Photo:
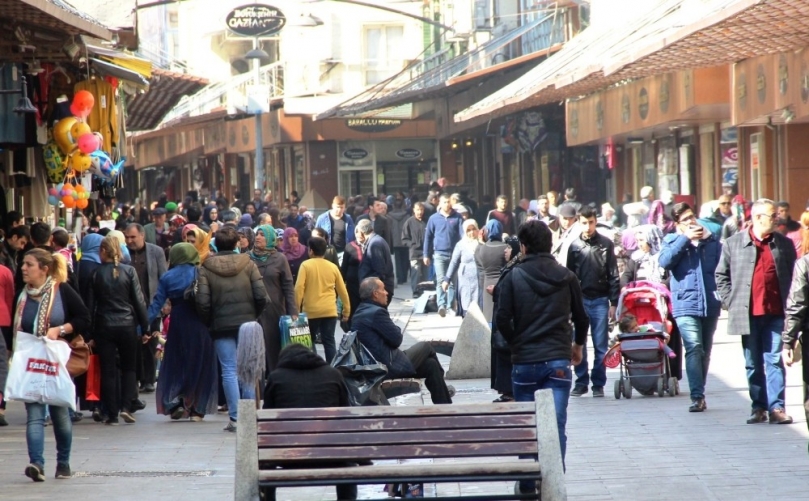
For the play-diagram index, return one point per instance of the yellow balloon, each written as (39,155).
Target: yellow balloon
(78,130)
(62,135)
(80,161)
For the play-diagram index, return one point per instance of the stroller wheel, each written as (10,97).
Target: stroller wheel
(627,389)
(661,383)
(618,389)
(673,386)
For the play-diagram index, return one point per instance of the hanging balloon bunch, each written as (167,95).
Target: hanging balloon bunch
(71,195)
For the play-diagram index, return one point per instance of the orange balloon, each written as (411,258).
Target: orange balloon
(68,201)
(80,161)
(79,129)
(81,203)
(84,100)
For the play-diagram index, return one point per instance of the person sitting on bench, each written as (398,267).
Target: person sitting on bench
(382,337)
(303,379)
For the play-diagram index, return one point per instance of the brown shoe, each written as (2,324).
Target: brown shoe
(779,416)
(758,416)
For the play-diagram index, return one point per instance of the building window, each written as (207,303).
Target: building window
(382,52)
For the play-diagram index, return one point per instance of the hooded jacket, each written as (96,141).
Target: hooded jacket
(693,284)
(303,379)
(535,305)
(230,293)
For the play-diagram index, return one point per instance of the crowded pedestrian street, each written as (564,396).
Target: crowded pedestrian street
(646,448)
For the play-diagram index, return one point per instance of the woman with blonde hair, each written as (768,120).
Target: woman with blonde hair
(48,307)
(117,309)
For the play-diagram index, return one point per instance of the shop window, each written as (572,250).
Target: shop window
(299,164)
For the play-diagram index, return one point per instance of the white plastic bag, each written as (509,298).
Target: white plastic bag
(39,372)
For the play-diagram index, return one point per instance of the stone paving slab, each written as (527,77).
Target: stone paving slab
(646,448)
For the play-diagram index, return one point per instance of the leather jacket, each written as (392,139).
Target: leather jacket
(117,302)
(593,261)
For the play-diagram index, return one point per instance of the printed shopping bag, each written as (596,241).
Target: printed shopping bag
(39,372)
(295,332)
(93,393)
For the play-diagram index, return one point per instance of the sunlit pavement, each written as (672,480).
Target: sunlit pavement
(646,448)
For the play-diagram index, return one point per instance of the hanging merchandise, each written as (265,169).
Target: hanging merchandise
(55,166)
(103,115)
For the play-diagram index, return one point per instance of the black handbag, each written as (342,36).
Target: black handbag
(190,292)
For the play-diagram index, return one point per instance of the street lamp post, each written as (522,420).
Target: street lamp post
(257,55)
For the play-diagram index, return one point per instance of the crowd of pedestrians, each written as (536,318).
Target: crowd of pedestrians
(182,279)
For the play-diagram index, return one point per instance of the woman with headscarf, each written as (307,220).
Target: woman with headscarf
(463,267)
(642,263)
(202,242)
(188,378)
(90,260)
(490,258)
(274,268)
(210,214)
(186,231)
(295,252)
(246,239)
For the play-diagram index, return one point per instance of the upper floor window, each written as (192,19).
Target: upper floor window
(383,52)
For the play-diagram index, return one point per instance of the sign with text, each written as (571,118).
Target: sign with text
(255,20)
(373,124)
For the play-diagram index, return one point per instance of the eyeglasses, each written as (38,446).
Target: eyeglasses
(772,217)
(724,203)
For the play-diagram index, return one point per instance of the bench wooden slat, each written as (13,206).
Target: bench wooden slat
(399,451)
(425,471)
(396,424)
(384,411)
(399,437)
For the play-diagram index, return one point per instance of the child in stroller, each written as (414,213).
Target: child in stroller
(641,351)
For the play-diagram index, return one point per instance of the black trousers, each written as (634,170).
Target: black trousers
(147,363)
(325,327)
(121,343)
(427,366)
(402,262)
(501,372)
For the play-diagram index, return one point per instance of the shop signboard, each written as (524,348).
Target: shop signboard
(355,153)
(373,124)
(408,153)
(255,20)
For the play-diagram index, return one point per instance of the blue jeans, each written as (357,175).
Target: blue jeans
(441,264)
(697,334)
(226,351)
(598,310)
(766,375)
(35,432)
(554,375)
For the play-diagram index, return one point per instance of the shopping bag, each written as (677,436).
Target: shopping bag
(93,393)
(39,372)
(295,332)
(361,372)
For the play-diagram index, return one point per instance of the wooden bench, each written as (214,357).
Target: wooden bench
(483,442)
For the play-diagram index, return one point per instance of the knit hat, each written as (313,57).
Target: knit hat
(246,221)
(171,207)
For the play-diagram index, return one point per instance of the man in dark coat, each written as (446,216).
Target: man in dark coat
(376,258)
(303,379)
(382,337)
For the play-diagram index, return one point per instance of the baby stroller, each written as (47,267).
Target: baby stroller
(643,363)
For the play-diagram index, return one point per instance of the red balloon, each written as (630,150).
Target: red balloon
(79,112)
(88,143)
(84,100)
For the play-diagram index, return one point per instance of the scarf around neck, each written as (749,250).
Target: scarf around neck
(45,295)
(262,255)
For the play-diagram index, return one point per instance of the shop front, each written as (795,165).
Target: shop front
(409,166)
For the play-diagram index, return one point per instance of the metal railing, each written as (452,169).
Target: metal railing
(161,58)
(216,94)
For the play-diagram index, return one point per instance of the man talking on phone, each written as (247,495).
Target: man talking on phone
(691,255)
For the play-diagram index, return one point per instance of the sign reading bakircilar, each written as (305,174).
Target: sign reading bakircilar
(255,20)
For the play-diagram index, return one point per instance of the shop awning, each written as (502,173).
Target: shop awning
(56,15)
(127,61)
(146,111)
(116,71)
(662,40)
(432,78)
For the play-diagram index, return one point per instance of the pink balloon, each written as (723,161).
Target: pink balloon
(88,143)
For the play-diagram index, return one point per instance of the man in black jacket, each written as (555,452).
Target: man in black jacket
(536,302)
(302,379)
(591,256)
(413,237)
(376,258)
(382,337)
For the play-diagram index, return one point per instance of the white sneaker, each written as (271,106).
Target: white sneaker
(442,312)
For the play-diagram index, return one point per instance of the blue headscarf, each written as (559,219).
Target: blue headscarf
(494,230)
(90,246)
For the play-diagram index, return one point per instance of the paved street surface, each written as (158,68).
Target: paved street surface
(646,448)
